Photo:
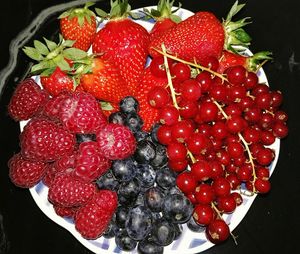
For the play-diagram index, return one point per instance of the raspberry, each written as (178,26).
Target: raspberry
(64,164)
(65,211)
(68,191)
(92,219)
(27,100)
(52,107)
(25,173)
(81,113)
(44,140)
(90,163)
(116,141)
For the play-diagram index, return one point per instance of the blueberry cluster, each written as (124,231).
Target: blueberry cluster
(151,207)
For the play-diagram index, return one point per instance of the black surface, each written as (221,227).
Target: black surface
(271,224)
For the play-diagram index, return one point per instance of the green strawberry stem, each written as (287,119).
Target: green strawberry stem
(119,9)
(256,61)
(162,11)
(235,35)
(195,65)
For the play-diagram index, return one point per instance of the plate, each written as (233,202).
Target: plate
(189,242)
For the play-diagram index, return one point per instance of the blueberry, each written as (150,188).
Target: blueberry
(117,117)
(154,199)
(121,216)
(160,158)
(154,133)
(146,175)
(178,230)
(134,122)
(129,105)
(177,208)
(165,178)
(124,170)
(141,135)
(124,242)
(128,192)
(139,222)
(163,232)
(80,138)
(173,190)
(194,226)
(148,247)
(108,182)
(140,200)
(145,151)
(111,229)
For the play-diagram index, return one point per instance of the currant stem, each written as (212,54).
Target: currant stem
(170,84)
(198,66)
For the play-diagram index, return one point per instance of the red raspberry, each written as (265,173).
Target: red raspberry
(65,211)
(116,141)
(92,219)
(81,113)
(64,164)
(25,173)
(27,100)
(44,140)
(68,191)
(52,107)
(90,163)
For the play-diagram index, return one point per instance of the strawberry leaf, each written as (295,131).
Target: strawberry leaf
(102,14)
(61,63)
(106,106)
(41,47)
(68,43)
(40,67)
(47,72)
(74,53)
(50,44)
(175,18)
(33,53)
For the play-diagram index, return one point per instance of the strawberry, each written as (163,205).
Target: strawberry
(27,100)
(202,35)
(116,141)
(92,219)
(147,112)
(68,191)
(25,173)
(124,42)
(251,63)
(103,80)
(79,24)
(81,113)
(46,141)
(55,64)
(164,17)
(90,163)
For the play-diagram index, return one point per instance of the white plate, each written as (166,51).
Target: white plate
(189,242)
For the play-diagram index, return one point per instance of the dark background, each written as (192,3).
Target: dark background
(271,224)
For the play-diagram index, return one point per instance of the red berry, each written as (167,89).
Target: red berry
(262,186)
(168,115)
(205,80)
(203,214)
(204,194)
(186,182)
(237,197)
(176,152)
(226,204)
(164,134)
(178,166)
(180,72)
(221,187)
(236,75)
(280,129)
(210,62)
(190,90)
(157,67)
(251,80)
(235,150)
(265,156)
(198,143)
(236,124)
(201,170)
(208,111)
(217,231)
(158,97)
(188,109)
(181,131)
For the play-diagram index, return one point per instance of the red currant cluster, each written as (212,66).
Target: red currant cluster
(217,129)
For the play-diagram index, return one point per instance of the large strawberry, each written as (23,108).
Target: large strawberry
(55,64)
(164,17)
(202,35)
(124,42)
(102,79)
(147,112)
(251,63)
(79,24)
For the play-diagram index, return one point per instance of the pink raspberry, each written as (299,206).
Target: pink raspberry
(24,173)
(116,141)
(27,100)
(92,219)
(90,163)
(68,191)
(44,140)
(81,113)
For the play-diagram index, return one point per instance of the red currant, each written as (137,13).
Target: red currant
(236,75)
(168,115)
(180,72)
(176,152)
(190,90)
(164,134)
(186,182)
(203,214)
(221,187)
(201,170)
(226,204)
(181,131)
(158,97)
(204,193)
(217,231)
